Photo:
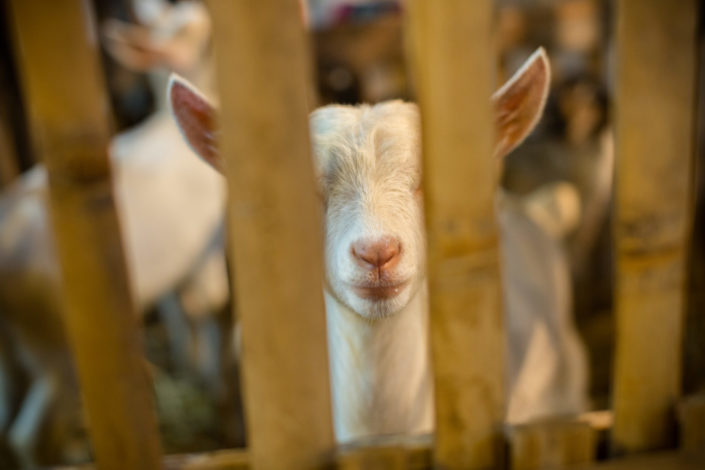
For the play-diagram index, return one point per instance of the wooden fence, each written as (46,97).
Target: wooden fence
(263,71)
(68,109)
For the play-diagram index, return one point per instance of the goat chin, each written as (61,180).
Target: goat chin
(376,302)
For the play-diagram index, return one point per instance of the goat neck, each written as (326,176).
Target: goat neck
(380,370)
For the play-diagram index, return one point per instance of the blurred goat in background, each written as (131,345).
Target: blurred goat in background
(171,211)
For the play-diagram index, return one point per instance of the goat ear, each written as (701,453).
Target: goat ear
(518,105)
(196,119)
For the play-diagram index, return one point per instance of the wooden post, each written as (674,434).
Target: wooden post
(452,57)
(654,149)
(57,51)
(263,76)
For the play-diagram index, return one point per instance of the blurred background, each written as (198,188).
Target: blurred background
(358,56)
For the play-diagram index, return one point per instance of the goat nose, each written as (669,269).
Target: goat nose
(380,253)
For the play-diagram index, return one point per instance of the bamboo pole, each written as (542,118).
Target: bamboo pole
(452,58)
(263,76)
(654,148)
(63,84)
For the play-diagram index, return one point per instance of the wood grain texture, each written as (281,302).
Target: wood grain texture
(654,150)
(276,237)
(64,90)
(452,59)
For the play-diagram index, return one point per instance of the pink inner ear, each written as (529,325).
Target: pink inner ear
(518,107)
(196,118)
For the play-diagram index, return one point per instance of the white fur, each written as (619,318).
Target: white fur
(379,370)
(170,206)
(369,174)
(368,165)
(546,364)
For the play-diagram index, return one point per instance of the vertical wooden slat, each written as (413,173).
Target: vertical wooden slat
(263,76)
(452,58)
(57,52)
(654,147)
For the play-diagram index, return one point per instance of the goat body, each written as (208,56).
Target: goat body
(368,164)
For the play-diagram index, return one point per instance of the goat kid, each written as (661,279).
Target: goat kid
(367,161)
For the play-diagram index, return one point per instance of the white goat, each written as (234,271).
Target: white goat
(367,159)
(170,207)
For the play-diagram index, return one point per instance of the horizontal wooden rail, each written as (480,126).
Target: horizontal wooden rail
(236,460)
(561,443)
(551,443)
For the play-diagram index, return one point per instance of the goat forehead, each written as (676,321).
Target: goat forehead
(367,144)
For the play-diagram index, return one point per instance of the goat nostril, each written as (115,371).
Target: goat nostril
(378,253)
(387,253)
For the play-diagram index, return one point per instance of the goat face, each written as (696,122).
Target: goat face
(367,160)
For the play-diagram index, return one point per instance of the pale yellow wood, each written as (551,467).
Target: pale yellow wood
(65,94)
(263,76)
(237,460)
(551,443)
(452,59)
(654,148)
